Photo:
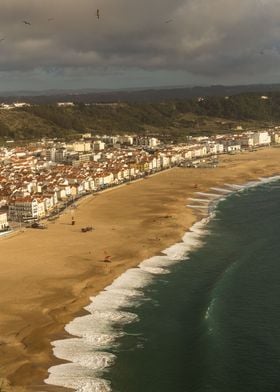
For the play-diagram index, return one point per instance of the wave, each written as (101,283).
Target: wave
(97,334)
(77,377)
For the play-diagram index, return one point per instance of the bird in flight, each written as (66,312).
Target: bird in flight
(97,13)
(168,21)
(2,39)
(26,22)
(50,19)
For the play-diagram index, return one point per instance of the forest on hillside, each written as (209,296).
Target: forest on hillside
(177,117)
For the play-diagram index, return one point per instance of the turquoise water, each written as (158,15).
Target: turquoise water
(213,323)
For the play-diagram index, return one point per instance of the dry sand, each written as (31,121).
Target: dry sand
(47,276)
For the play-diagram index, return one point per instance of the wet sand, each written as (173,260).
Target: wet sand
(47,276)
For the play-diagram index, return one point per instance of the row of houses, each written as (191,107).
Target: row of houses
(32,186)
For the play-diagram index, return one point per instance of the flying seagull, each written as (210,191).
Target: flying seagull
(2,39)
(168,21)
(97,13)
(26,22)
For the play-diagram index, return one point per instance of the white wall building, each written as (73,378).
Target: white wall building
(65,103)
(153,142)
(247,141)
(233,148)
(23,209)
(276,138)
(3,221)
(50,154)
(261,138)
(81,147)
(98,145)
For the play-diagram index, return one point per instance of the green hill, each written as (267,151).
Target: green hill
(175,119)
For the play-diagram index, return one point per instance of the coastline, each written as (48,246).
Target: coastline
(131,224)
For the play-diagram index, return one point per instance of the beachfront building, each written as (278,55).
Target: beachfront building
(247,141)
(3,221)
(24,209)
(214,148)
(261,138)
(164,161)
(233,148)
(276,138)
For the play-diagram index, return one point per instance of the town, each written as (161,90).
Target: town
(40,180)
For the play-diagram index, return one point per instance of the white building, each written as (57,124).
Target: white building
(81,147)
(261,138)
(232,148)
(60,155)
(276,138)
(65,104)
(247,141)
(3,221)
(126,139)
(23,209)
(98,145)
(153,142)
(20,104)
(50,154)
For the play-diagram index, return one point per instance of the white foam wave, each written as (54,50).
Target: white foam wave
(235,186)
(177,251)
(269,179)
(112,299)
(157,262)
(77,377)
(94,326)
(113,316)
(84,354)
(72,344)
(156,270)
(134,278)
(191,240)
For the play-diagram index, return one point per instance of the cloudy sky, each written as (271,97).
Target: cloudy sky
(138,43)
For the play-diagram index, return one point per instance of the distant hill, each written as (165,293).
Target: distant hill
(173,119)
(133,95)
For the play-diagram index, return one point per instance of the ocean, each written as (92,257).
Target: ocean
(202,317)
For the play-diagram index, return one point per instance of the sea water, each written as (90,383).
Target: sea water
(203,316)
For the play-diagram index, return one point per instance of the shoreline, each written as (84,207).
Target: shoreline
(125,211)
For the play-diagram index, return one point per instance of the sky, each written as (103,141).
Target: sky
(137,43)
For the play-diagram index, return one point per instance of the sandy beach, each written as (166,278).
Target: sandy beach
(47,276)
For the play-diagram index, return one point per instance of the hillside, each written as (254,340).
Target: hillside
(175,119)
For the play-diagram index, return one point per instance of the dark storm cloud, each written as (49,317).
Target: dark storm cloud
(203,37)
